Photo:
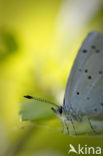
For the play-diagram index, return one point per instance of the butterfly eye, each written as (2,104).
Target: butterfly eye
(60,110)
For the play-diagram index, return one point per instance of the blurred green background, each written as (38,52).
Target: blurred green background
(39,40)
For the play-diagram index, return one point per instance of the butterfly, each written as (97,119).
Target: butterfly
(83,96)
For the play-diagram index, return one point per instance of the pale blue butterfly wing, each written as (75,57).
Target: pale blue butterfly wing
(84,90)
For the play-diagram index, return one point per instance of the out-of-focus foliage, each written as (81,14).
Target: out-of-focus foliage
(38,43)
(8,44)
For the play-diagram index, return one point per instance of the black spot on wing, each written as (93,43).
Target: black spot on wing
(100,72)
(97,51)
(84,51)
(88,98)
(86,70)
(101,104)
(89,77)
(93,47)
(95,109)
(78,93)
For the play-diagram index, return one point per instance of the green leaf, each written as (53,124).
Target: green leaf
(35,110)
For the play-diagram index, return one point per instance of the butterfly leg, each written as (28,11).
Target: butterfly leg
(62,125)
(73,126)
(92,127)
(67,127)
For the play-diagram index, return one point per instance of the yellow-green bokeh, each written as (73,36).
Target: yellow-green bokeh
(39,40)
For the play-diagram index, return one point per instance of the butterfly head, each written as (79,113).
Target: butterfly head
(59,111)
(62,113)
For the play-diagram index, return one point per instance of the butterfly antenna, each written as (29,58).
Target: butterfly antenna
(41,100)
